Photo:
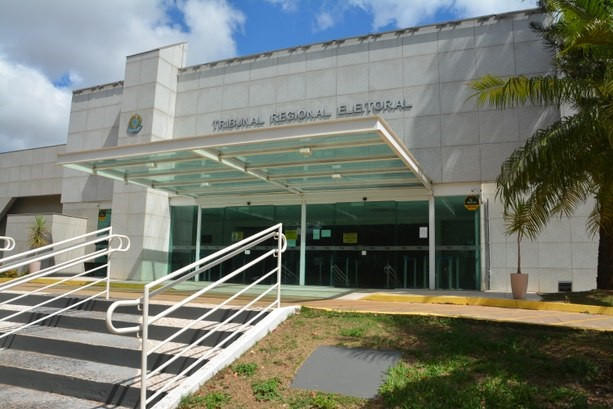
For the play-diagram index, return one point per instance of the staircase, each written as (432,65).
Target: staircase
(71,360)
(67,351)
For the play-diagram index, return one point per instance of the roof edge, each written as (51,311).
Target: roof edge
(365,36)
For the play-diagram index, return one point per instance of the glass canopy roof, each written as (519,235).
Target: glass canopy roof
(357,154)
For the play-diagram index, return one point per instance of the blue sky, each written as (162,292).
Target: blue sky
(265,21)
(49,48)
(276,24)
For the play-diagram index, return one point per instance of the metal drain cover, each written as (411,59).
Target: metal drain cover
(347,371)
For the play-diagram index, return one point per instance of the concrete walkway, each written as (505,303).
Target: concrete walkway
(490,306)
(554,314)
(486,306)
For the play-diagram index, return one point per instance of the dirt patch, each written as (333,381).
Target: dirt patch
(449,361)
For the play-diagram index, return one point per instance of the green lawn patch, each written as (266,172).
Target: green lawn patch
(266,390)
(214,400)
(603,298)
(447,363)
(245,368)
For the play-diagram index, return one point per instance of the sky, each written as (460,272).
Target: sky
(50,48)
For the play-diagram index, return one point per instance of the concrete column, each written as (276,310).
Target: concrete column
(149,91)
(198,236)
(303,233)
(431,244)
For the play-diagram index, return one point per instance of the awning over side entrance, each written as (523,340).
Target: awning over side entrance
(355,154)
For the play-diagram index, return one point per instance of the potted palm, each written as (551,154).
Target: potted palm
(519,220)
(38,236)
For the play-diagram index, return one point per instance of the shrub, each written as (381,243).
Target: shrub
(14,273)
(213,400)
(245,369)
(266,390)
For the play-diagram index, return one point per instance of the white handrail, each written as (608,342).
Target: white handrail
(52,245)
(9,245)
(111,310)
(238,245)
(113,243)
(185,273)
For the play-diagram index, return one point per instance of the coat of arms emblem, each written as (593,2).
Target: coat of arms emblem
(135,124)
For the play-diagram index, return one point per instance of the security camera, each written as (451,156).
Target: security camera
(248,203)
(364,198)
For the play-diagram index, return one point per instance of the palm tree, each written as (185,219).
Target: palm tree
(520,221)
(38,233)
(571,161)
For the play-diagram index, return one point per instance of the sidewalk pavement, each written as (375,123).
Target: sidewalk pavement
(483,308)
(499,307)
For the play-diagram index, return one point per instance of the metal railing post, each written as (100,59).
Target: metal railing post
(165,283)
(108,268)
(279,263)
(83,243)
(9,243)
(144,340)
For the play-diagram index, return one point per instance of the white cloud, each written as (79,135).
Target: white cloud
(84,43)
(32,111)
(213,24)
(406,13)
(323,21)
(476,8)
(286,5)
(91,39)
(398,12)
(87,42)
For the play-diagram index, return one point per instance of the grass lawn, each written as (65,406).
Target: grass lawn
(602,298)
(447,363)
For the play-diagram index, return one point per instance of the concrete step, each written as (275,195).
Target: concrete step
(101,305)
(82,379)
(109,348)
(94,322)
(72,361)
(120,317)
(14,397)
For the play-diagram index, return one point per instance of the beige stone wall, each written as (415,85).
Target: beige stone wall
(61,228)
(564,251)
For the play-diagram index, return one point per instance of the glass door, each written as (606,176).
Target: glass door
(104,221)
(367,244)
(457,245)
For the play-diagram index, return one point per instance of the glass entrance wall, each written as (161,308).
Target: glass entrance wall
(367,244)
(104,221)
(359,244)
(183,230)
(364,244)
(457,245)
(222,227)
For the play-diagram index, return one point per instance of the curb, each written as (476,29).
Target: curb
(491,302)
(225,358)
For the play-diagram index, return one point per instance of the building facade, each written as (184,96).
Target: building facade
(368,149)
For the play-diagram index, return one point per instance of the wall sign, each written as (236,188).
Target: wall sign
(350,238)
(423,232)
(301,115)
(135,124)
(471,202)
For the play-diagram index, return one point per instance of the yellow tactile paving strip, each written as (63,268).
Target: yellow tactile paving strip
(491,302)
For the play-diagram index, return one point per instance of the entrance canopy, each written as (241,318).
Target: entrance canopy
(338,155)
